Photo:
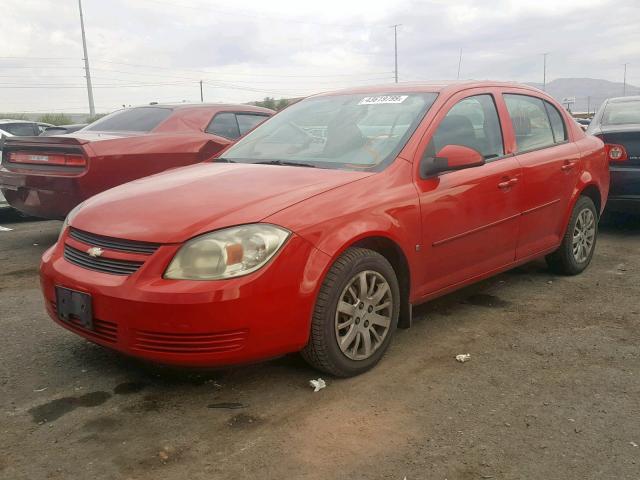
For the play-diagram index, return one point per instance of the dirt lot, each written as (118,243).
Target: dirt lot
(552,390)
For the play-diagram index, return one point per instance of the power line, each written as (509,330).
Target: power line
(262,16)
(195,71)
(57,85)
(199,71)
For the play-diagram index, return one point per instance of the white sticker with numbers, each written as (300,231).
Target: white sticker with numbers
(380,99)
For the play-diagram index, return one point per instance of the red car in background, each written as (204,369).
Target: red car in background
(320,229)
(48,176)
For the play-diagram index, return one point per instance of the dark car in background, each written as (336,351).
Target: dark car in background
(583,122)
(62,129)
(47,177)
(617,123)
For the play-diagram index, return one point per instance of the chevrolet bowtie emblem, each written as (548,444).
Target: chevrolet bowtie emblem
(95,252)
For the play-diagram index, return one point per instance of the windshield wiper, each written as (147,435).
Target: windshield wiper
(223,160)
(286,163)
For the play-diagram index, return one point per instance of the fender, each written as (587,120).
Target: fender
(585,182)
(347,216)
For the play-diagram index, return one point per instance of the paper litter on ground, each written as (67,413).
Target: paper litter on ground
(318,384)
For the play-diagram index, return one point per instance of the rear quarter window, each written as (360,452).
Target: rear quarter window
(139,119)
(247,121)
(225,125)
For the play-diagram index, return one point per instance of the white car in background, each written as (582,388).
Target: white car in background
(23,127)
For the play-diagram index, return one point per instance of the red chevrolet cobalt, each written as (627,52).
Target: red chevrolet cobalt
(320,229)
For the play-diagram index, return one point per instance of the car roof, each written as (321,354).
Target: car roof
(631,98)
(8,120)
(209,106)
(435,87)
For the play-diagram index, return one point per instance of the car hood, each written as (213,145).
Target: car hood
(178,204)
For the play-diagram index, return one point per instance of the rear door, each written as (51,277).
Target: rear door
(550,169)
(469,217)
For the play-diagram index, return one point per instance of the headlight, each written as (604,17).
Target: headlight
(227,253)
(65,224)
(68,218)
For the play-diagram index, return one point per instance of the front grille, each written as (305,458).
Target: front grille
(102,330)
(189,342)
(130,246)
(100,264)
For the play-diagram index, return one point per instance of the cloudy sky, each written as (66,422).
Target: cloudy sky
(159,50)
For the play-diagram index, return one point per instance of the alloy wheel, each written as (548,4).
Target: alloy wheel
(363,315)
(584,234)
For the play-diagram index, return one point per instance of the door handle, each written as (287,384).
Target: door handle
(508,183)
(568,166)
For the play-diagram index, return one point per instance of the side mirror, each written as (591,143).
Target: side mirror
(450,157)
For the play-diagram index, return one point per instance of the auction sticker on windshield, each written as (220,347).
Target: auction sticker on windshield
(383,99)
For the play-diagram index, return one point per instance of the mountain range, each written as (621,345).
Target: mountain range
(589,93)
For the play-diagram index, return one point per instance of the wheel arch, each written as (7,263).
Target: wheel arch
(593,192)
(589,188)
(395,255)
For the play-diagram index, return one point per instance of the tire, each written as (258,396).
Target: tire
(565,260)
(332,327)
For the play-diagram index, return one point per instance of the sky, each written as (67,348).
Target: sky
(159,50)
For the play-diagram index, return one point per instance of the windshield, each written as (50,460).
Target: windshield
(622,113)
(361,131)
(138,119)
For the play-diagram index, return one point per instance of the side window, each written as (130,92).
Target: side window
(248,121)
(530,122)
(557,124)
(225,125)
(474,123)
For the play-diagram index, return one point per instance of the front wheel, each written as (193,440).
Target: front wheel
(356,314)
(579,242)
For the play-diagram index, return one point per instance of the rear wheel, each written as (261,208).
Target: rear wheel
(356,314)
(579,242)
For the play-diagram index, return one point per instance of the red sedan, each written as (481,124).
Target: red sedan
(47,176)
(319,230)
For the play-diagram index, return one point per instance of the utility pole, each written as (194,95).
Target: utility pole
(588,104)
(201,94)
(395,36)
(624,82)
(544,71)
(92,110)
(459,63)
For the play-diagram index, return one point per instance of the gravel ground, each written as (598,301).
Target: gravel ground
(551,390)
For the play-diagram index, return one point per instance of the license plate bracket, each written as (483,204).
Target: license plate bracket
(72,304)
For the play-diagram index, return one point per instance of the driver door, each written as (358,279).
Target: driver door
(470,217)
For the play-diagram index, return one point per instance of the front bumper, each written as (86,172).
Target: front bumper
(624,194)
(194,323)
